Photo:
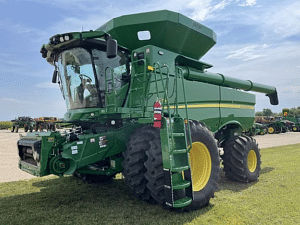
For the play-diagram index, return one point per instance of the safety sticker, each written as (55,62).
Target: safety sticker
(92,140)
(51,139)
(102,141)
(74,150)
(79,142)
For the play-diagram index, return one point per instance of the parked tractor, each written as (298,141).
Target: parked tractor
(294,119)
(257,129)
(274,126)
(144,105)
(22,122)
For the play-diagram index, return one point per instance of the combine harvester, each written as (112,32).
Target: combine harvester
(144,105)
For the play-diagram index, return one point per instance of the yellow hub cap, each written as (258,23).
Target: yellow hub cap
(200,162)
(271,129)
(294,128)
(252,161)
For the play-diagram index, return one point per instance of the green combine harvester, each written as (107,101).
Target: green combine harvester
(142,104)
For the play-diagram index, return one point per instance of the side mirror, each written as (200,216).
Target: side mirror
(54,78)
(111,48)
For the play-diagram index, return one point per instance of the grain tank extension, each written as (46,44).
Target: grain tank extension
(143,104)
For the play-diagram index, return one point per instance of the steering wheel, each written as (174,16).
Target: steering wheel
(83,75)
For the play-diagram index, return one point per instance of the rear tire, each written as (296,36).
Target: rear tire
(278,130)
(295,129)
(241,159)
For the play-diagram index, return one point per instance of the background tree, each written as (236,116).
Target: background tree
(267,112)
(259,113)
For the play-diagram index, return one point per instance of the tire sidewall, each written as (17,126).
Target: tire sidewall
(203,135)
(251,145)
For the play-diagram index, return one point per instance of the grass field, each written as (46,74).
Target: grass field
(274,199)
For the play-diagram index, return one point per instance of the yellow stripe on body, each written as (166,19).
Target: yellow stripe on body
(214,105)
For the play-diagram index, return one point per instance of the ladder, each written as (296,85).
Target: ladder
(175,151)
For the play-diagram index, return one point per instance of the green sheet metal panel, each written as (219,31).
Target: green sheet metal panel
(168,30)
(238,106)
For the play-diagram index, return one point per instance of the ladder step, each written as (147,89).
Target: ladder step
(181,185)
(178,134)
(153,81)
(136,89)
(179,169)
(182,202)
(179,151)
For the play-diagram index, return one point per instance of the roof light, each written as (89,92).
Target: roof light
(61,39)
(67,38)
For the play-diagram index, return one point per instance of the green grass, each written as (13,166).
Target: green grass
(274,199)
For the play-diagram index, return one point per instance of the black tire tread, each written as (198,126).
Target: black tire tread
(134,159)
(236,150)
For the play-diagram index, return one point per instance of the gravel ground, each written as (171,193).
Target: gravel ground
(9,170)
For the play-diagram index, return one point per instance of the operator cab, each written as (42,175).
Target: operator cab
(85,73)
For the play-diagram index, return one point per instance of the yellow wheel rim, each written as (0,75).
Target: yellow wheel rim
(271,130)
(294,128)
(252,161)
(200,162)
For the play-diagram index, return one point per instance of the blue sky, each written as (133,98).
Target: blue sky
(258,40)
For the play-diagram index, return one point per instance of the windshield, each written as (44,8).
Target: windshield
(83,75)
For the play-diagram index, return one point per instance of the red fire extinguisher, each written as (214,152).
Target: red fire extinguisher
(157,108)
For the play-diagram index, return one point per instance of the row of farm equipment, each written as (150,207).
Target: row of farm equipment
(275,125)
(35,124)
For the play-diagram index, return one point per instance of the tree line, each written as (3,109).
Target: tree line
(268,112)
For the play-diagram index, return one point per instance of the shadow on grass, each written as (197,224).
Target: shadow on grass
(234,186)
(266,170)
(71,201)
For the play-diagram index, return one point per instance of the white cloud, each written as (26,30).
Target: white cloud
(247,53)
(248,3)
(282,22)
(47,85)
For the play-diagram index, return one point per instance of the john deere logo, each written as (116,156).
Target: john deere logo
(285,114)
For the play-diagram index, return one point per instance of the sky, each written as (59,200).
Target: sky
(257,40)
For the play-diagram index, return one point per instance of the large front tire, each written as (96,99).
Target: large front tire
(134,159)
(241,159)
(205,166)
